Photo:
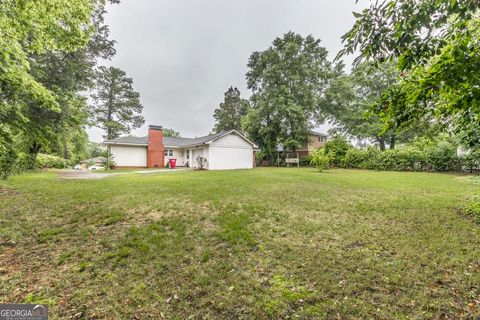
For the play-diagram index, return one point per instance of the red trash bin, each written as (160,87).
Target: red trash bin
(173,163)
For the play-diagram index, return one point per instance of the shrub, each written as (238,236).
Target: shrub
(306,161)
(50,161)
(8,158)
(442,156)
(404,159)
(410,159)
(355,158)
(473,209)
(25,162)
(471,161)
(320,159)
(336,149)
(201,162)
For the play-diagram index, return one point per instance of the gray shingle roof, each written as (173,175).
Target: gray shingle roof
(181,142)
(167,141)
(128,140)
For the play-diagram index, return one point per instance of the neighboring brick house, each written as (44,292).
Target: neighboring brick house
(316,140)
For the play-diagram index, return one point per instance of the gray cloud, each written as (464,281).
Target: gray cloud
(184,54)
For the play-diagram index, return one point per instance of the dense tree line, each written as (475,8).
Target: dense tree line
(437,49)
(49,52)
(416,76)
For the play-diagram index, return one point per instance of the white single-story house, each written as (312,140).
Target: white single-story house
(220,151)
(98,161)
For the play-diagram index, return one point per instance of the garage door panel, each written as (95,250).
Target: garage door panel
(223,158)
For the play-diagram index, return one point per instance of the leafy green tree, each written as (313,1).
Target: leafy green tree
(34,28)
(288,81)
(117,107)
(412,31)
(336,148)
(230,113)
(95,149)
(170,133)
(359,91)
(446,88)
(69,75)
(30,29)
(437,48)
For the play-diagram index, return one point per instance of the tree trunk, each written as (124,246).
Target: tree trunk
(392,142)
(381,143)
(65,149)
(110,110)
(33,151)
(109,156)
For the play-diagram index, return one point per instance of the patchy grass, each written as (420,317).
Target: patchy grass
(266,243)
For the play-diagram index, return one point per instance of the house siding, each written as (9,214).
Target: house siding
(178,154)
(222,151)
(230,152)
(314,142)
(200,151)
(129,156)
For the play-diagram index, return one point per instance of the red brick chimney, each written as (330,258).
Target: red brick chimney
(155,157)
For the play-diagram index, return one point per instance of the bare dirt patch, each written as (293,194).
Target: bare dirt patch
(7,192)
(85,175)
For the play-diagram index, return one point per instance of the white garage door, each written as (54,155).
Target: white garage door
(230,152)
(129,156)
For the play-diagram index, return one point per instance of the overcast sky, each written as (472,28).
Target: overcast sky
(184,54)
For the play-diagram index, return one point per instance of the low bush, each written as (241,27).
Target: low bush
(473,209)
(50,161)
(355,158)
(471,161)
(320,159)
(442,156)
(8,158)
(336,149)
(403,159)
(305,161)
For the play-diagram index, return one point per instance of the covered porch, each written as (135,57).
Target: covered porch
(186,156)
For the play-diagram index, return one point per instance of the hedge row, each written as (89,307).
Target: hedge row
(50,161)
(439,158)
(11,163)
(434,156)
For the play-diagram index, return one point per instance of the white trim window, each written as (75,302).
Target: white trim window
(168,153)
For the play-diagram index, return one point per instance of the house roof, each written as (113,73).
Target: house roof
(174,141)
(128,140)
(183,142)
(314,133)
(94,160)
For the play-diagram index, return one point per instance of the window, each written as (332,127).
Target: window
(188,154)
(321,139)
(168,153)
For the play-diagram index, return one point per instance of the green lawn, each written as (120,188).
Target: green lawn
(264,243)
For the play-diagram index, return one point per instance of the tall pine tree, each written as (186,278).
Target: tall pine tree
(117,108)
(231,111)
